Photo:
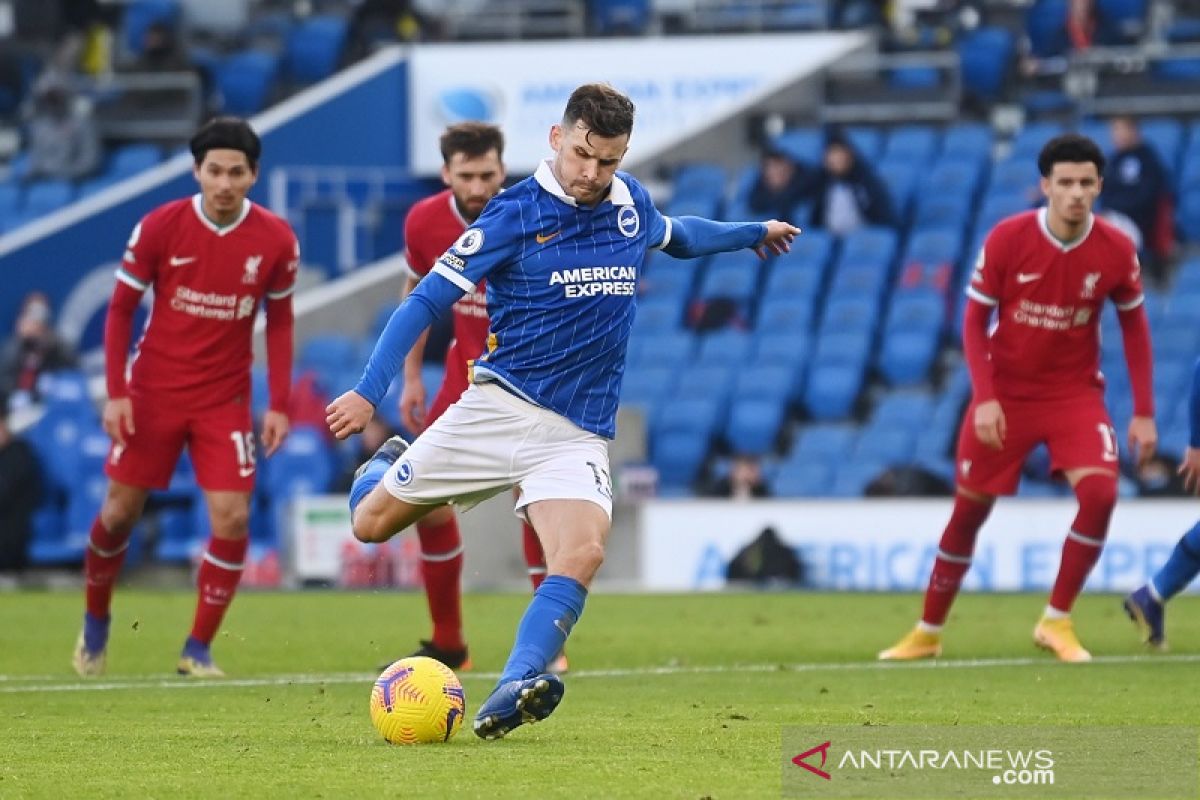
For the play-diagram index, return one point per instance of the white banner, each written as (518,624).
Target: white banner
(679,86)
(884,545)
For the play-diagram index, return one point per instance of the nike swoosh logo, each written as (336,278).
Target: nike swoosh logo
(176,261)
(245,472)
(1024,277)
(543,239)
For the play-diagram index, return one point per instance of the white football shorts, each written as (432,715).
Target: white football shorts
(491,440)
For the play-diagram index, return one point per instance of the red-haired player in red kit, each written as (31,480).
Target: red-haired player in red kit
(211,259)
(473,171)
(1036,379)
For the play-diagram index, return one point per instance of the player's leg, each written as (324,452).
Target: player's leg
(107,545)
(1083,447)
(222,447)
(983,473)
(217,579)
(573,533)
(535,564)
(144,463)
(1146,606)
(441,571)
(376,513)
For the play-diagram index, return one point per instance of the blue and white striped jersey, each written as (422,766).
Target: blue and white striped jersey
(561,290)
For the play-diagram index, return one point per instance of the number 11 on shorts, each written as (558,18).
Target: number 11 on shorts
(243,443)
(1108,438)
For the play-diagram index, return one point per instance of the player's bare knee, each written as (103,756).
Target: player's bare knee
(368,527)
(120,513)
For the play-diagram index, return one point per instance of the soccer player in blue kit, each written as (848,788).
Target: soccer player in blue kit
(561,252)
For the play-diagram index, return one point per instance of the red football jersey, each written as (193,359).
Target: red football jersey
(208,283)
(432,225)
(1045,343)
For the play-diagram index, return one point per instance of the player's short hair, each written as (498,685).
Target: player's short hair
(601,108)
(472,139)
(1070,148)
(226,133)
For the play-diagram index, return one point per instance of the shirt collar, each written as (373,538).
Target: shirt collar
(198,207)
(1044,224)
(618,193)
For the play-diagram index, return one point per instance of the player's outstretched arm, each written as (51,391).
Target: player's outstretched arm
(696,236)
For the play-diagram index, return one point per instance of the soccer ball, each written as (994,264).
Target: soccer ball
(416,700)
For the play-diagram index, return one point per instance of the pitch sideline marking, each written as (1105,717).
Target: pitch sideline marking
(42,683)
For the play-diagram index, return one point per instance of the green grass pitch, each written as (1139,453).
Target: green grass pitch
(671,696)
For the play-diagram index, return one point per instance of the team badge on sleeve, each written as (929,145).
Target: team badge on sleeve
(469,243)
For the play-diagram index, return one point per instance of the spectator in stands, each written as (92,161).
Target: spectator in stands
(848,193)
(744,481)
(20,490)
(782,184)
(33,349)
(1136,185)
(60,132)
(377,21)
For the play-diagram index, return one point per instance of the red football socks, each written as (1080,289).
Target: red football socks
(101,564)
(220,571)
(535,560)
(441,569)
(953,558)
(1097,497)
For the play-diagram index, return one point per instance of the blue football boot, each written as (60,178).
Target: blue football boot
(1149,615)
(514,703)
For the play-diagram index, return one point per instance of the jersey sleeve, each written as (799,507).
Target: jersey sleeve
(287,266)
(1128,293)
(143,252)
(988,275)
(416,256)
(488,245)
(658,227)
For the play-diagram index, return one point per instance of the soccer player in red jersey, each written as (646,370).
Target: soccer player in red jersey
(473,171)
(1035,378)
(211,259)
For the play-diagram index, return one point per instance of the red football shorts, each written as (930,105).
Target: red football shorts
(453,384)
(1077,432)
(220,440)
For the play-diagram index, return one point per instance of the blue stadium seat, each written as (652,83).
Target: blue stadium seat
(910,409)
(1000,204)
(140,15)
(812,250)
(916,309)
(131,159)
(793,279)
(700,178)
(916,144)
(665,347)
(900,177)
(303,466)
(931,249)
(1187,216)
(1030,140)
(850,314)
(706,383)
(861,279)
(802,480)
(1016,174)
(725,348)
(868,142)
(754,424)
(1045,25)
(246,80)
(314,47)
(44,196)
(968,139)
(670,279)
(832,389)
(678,456)
(801,144)
(787,349)
(646,386)
(852,477)
(908,356)
(781,313)
(823,443)
(871,245)
(943,210)
(889,444)
(619,17)
(736,280)
(695,415)
(1120,22)
(953,175)
(328,353)
(1166,135)
(763,380)
(659,314)
(986,57)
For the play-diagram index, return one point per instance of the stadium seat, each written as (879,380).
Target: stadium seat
(868,142)
(1016,174)
(724,348)
(659,314)
(764,381)
(968,139)
(303,466)
(870,245)
(646,386)
(908,356)
(781,313)
(132,159)
(1030,140)
(866,279)
(711,383)
(328,353)
(667,347)
(852,477)
(900,177)
(813,250)
(850,314)
(956,176)
(678,457)
(700,178)
(888,444)
(946,210)
(140,15)
(754,424)
(805,145)
(986,57)
(915,144)
(246,80)
(314,48)
(44,196)
(698,417)
(802,480)
(791,279)
(619,17)
(1044,25)
(824,443)
(905,408)
(831,390)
